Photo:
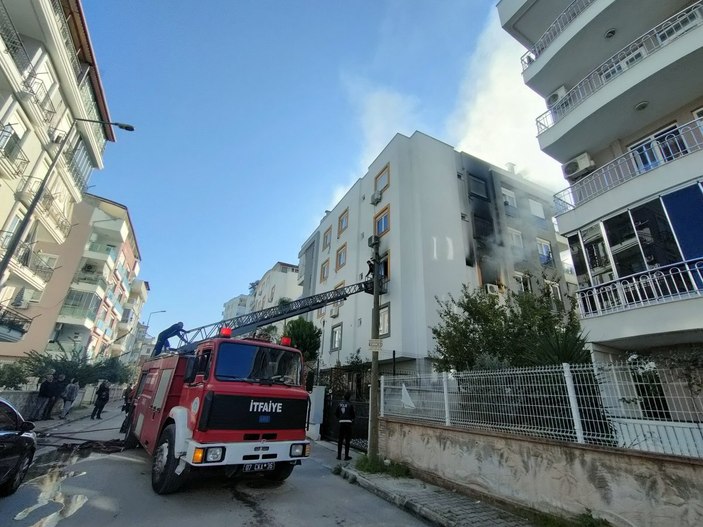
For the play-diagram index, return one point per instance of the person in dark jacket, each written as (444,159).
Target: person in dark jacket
(162,340)
(102,396)
(42,399)
(345,415)
(56,388)
(69,397)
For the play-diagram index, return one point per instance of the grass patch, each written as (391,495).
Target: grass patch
(547,520)
(378,466)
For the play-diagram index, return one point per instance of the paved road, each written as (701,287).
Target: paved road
(115,490)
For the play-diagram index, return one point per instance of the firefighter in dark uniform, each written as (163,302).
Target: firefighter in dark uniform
(345,415)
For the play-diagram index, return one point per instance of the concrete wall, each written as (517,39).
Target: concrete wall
(626,488)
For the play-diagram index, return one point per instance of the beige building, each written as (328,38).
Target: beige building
(48,78)
(93,299)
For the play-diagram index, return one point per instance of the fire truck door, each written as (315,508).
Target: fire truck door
(152,413)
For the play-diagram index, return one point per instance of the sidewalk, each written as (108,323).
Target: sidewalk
(436,504)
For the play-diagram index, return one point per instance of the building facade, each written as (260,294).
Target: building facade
(239,305)
(625,118)
(48,78)
(93,301)
(279,282)
(444,218)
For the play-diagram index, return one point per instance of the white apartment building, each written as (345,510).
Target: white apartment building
(279,282)
(48,77)
(445,218)
(622,83)
(93,301)
(239,305)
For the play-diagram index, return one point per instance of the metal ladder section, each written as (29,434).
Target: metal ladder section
(251,321)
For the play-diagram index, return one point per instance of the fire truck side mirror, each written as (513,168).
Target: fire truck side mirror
(191,368)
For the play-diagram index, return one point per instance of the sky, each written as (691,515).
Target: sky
(254,116)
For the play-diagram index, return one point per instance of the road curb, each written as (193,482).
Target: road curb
(396,499)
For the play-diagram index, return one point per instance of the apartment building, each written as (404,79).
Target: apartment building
(141,347)
(622,85)
(239,305)
(93,301)
(48,78)
(444,218)
(279,282)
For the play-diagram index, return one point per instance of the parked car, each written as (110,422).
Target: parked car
(18,443)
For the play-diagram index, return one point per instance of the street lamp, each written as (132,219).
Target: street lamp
(24,223)
(149,318)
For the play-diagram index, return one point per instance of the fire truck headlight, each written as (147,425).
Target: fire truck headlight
(297,450)
(214,454)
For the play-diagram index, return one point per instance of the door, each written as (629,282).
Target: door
(11,443)
(151,410)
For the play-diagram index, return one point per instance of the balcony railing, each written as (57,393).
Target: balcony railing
(680,142)
(66,35)
(33,85)
(13,320)
(91,107)
(90,278)
(27,257)
(48,204)
(655,286)
(78,312)
(10,150)
(102,248)
(632,54)
(573,10)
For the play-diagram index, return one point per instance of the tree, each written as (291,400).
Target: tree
(305,337)
(12,376)
(252,287)
(73,364)
(524,329)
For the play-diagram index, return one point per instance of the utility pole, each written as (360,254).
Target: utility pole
(375,345)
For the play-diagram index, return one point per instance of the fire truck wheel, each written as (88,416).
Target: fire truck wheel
(281,472)
(164,479)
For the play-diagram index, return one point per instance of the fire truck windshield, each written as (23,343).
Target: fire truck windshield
(251,363)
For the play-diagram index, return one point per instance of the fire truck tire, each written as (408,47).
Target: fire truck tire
(130,440)
(281,472)
(164,479)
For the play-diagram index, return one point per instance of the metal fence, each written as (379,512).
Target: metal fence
(629,405)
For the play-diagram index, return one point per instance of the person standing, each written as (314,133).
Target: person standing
(345,415)
(56,388)
(69,396)
(102,396)
(42,399)
(127,396)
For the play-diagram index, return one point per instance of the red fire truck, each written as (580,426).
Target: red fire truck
(219,401)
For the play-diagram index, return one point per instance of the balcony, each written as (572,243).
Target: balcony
(554,30)
(103,252)
(51,214)
(665,284)
(28,264)
(91,278)
(638,51)
(676,144)
(12,157)
(13,325)
(78,315)
(32,85)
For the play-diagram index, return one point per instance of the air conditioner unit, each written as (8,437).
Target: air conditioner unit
(578,166)
(492,289)
(334,311)
(376,198)
(88,268)
(556,96)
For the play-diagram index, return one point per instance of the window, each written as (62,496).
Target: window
(324,270)
(382,179)
(273,292)
(536,208)
(8,419)
(698,114)
(524,283)
(382,222)
(665,145)
(384,268)
(680,25)
(515,238)
(343,222)
(336,338)
(321,312)
(384,326)
(544,248)
(327,239)
(341,259)
(478,187)
(509,199)
(632,57)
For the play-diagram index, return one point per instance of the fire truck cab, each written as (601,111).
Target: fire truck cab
(233,403)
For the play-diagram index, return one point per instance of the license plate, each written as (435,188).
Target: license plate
(259,467)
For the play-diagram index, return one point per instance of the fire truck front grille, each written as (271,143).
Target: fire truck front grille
(250,457)
(239,412)
(269,456)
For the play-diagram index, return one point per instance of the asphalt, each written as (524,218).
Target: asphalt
(436,505)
